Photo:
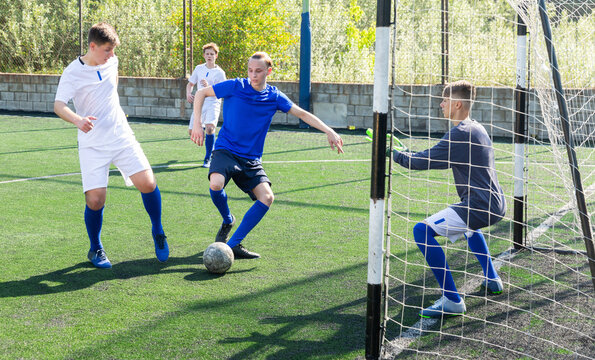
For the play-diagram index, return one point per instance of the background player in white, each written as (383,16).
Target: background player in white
(207,74)
(467,150)
(249,106)
(105,138)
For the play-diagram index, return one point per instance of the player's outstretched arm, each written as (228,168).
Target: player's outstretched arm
(85,124)
(198,135)
(333,138)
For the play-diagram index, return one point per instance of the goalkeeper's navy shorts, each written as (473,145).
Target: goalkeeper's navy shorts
(246,173)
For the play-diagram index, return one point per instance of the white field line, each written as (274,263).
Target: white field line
(396,346)
(190,165)
(187,165)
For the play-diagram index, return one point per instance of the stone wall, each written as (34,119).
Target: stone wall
(416,107)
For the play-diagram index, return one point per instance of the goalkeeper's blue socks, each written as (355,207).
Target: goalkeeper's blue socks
(209,145)
(432,251)
(479,247)
(220,200)
(93,222)
(250,220)
(152,202)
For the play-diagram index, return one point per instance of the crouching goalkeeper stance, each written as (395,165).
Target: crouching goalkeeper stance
(467,150)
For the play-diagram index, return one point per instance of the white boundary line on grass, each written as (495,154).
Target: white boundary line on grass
(188,165)
(398,345)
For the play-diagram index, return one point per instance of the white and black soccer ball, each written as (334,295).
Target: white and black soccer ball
(218,257)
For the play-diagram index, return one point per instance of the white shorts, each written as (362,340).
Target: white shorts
(210,115)
(95,163)
(448,223)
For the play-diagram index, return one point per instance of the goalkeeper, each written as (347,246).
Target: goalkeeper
(467,150)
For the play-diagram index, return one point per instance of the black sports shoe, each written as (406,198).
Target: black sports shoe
(240,252)
(224,230)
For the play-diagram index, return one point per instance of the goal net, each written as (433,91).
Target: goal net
(547,308)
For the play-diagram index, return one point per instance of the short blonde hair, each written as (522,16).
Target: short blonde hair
(261,55)
(212,46)
(102,33)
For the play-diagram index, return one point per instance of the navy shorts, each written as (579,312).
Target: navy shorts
(246,173)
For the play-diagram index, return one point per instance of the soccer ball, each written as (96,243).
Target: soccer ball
(218,257)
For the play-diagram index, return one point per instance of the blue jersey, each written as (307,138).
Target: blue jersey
(247,116)
(467,150)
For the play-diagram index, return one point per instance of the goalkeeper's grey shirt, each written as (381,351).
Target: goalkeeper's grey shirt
(467,149)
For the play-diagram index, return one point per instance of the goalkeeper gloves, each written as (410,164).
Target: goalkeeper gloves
(397,144)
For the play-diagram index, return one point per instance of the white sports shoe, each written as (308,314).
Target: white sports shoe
(444,307)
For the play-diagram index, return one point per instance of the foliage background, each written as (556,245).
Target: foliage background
(37,36)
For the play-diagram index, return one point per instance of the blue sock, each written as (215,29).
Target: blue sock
(220,200)
(477,244)
(250,220)
(93,221)
(424,238)
(152,202)
(209,145)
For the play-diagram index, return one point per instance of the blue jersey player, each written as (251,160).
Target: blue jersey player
(248,108)
(467,150)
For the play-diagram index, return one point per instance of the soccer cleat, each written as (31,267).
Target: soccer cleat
(494,286)
(161,247)
(224,230)
(99,259)
(240,252)
(444,307)
(206,163)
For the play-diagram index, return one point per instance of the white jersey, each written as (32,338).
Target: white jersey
(212,76)
(93,90)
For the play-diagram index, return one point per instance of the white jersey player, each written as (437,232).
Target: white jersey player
(205,75)
(104,138)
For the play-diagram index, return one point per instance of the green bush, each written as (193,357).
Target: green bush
(239,28)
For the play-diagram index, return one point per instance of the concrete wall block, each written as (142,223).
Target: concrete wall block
(158,112)
(123,100)
(35,80)
(34,96)
(7,96)
(3,86)
(11,105)
(421,102)
(343,99)
(29,87)
(15,86)
(176,94)
(25,105)
(163,101)
(20,96)
(130,91)
(163,92)
(172,113)
(135,101)
(363,110)
(3,104)
(320,97)
(150,101)
(147,92)
(142,111)
(42,88)
(39,106)
(350,110)
(49,98)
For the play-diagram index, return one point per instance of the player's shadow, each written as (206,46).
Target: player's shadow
(343,338)
(84,275)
